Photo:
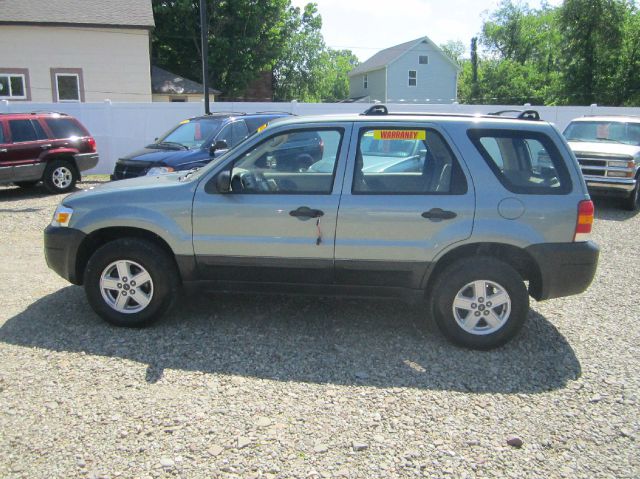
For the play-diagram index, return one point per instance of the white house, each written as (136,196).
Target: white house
(415,72)
(75,50)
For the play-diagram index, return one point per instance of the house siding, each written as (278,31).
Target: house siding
(376,85)
(114,62)
(436,80)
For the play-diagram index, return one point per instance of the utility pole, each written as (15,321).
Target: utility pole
(204,33)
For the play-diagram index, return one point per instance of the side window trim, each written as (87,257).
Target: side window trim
(459,171)
(564,176)
(346,128)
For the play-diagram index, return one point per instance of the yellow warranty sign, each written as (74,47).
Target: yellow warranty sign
(399,134)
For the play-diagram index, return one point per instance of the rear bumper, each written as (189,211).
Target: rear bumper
(60,250)
(86,161)
(565,268)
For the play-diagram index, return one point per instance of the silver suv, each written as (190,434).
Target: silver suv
(491,211)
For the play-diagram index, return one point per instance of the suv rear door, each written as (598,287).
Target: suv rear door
(277,224)
(405,198)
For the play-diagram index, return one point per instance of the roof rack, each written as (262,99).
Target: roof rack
(36,112)
(268,112)
(522,114)
(381,110)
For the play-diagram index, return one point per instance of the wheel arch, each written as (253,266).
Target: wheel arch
(100,237)
(518,258)
(63,155)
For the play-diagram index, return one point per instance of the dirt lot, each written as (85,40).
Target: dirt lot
(254,386)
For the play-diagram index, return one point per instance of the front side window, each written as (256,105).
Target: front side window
(604,132)
(406,162)
(1,133)
(240,131)
(413,78)
(68,87)
(524,162)
(12,86)
(22,130)
(294,162)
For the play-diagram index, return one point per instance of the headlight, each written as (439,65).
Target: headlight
(62,216)
(160,170)
(620,163)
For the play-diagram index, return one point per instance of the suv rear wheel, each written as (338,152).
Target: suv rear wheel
(130,282)
(60,176)
(479,302)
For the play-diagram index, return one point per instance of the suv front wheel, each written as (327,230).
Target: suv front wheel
(131,282)
(479,302)
(60,176)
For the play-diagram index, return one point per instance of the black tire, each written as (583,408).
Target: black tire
(632,203)
(165,281)
(51,177)
(26,184)
(455,277)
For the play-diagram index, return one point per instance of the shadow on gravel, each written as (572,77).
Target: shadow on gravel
(317,340)
(15,193)
(611,209)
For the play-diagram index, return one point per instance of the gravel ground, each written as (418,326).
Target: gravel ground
(241,386)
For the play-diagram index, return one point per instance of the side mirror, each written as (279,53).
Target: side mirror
(218,145)
(223,182)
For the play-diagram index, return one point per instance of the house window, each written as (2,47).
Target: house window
(13,86)
(67,85)
(413,78)
(366,81)
(423,59)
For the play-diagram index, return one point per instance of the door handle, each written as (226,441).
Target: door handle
(306,212)
(437,214)
(46,147)
(3,150)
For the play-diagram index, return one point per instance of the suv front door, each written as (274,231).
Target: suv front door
(277,224)
(405,199)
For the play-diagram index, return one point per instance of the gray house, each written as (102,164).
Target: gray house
(414,72)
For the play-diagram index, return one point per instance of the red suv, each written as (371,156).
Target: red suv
(49,147)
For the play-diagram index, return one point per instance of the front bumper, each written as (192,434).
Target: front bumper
(86,161)
(61,250)
(565,268)
(600,185)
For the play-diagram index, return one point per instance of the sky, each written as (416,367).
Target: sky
(367,26)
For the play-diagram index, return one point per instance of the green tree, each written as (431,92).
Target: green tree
(245,38)
(592,34)
(454,49)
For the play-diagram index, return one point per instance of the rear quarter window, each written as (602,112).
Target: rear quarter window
(65,127)
(525,162)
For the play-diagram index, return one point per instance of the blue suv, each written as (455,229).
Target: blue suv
(191,144)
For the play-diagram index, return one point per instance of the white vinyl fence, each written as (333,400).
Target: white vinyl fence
(120,128)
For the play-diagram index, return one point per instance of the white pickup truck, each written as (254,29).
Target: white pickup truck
(608,150)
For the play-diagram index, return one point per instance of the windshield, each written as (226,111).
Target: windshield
(191,133)
(604,131)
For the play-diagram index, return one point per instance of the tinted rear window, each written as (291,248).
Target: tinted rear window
(524,162)
(64,127)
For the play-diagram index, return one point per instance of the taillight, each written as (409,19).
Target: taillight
(585,221)
(92,144)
